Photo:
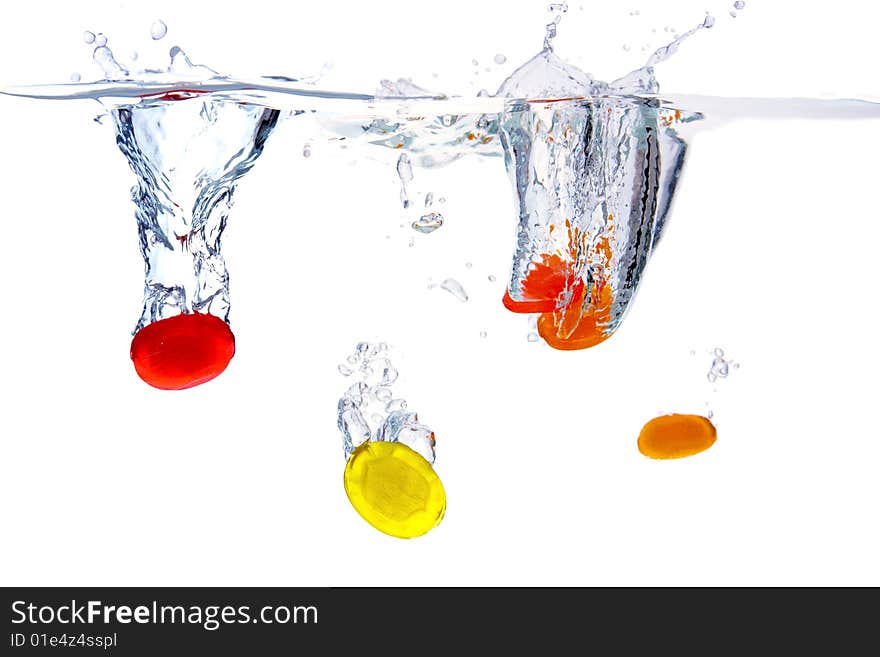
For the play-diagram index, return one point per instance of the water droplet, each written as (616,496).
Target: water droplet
(352,359)
(362,348)
(133,55)
(307,150)
(708,22)
(412,242)
(383,346)
(483,334)
(89,37)
(344,370)
(100,40)
(376,418)
(719,352)
(500,59)
(158,30)
(532,337)
(533,322)
(383,395)
(693,352)
(491,278)
(75,77)
(455,289)
(442,199)
(475,62)
(732,13)
(428,223)
(468,265)
(739,4)
(626,47)
(429,199)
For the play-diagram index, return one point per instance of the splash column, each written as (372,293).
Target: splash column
(593,180)
(187,150)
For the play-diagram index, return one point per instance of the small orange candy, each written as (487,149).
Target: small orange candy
(676,436)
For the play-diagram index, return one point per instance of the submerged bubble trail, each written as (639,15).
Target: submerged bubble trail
(405,173)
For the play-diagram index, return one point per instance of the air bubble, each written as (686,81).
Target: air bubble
(428,223)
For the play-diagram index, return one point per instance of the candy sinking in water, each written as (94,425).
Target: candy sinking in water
(389,476)
(394,489)
(182,351)
(594,180)
(676,436)
(198,148)
(594,166)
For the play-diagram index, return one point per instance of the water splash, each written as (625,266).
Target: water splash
(372,396)
(187,156)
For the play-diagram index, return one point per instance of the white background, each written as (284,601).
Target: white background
(769,253)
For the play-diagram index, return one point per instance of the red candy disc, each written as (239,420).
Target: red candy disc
(182,351)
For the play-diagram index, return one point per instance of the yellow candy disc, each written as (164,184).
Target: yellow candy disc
(394,489)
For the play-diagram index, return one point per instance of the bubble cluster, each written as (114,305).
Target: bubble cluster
(720,367)
(371,395)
